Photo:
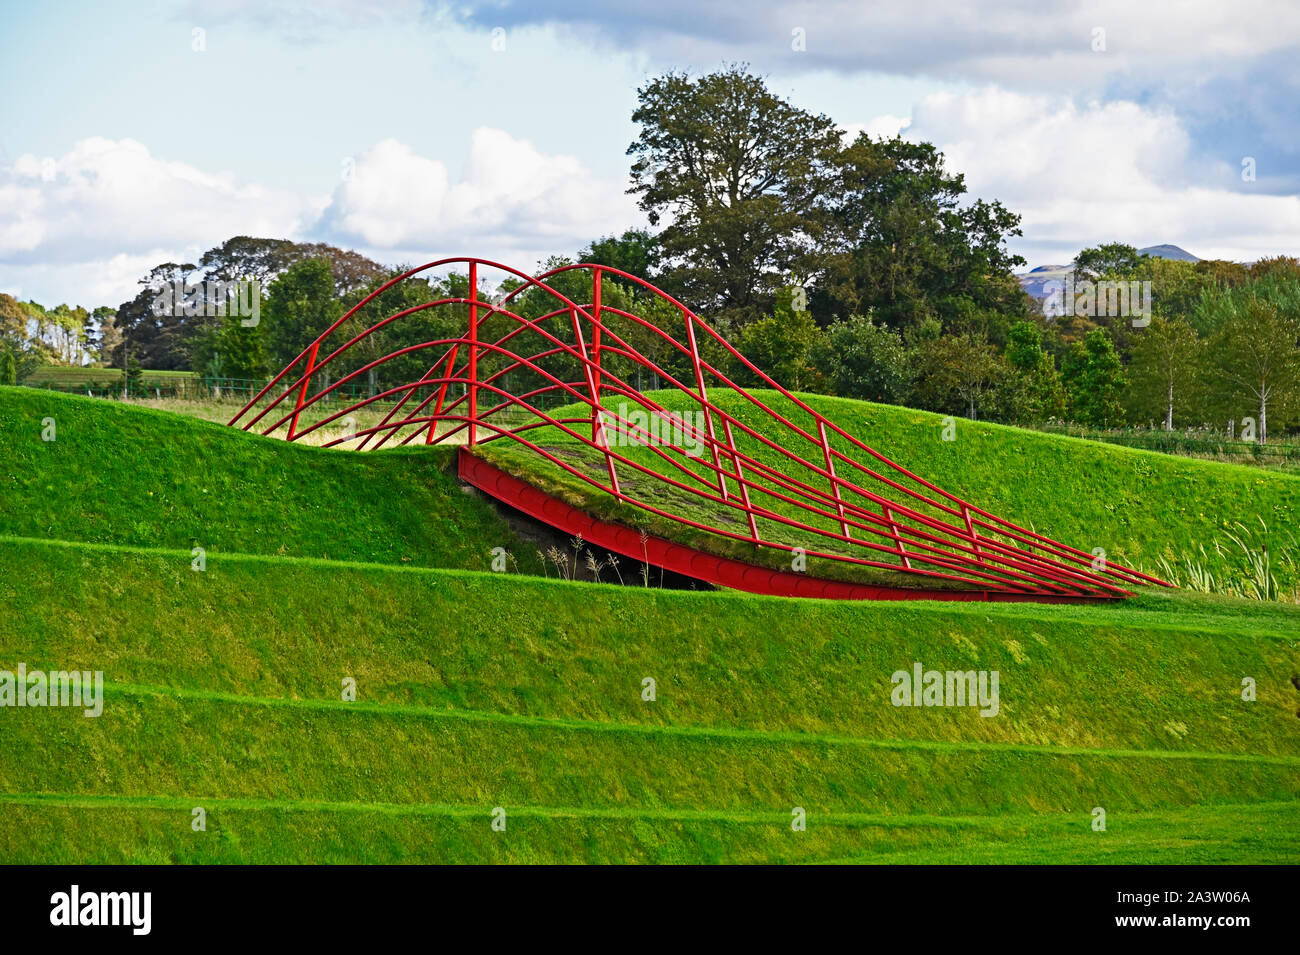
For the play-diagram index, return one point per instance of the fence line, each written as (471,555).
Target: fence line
(1179,442)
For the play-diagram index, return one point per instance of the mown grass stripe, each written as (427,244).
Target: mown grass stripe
(690,732)
(464,810)
(1126,614)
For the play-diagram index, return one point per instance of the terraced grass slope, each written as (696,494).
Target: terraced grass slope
(477,691)
(224,691)
(1155,512)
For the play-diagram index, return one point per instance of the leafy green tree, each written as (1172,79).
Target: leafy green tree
(1095,380)
(1164,369)
(1255,356)
(232,349)
(62,329)
(742,178)
(1221,274)
(13,320)
(8,368)
(1176,286)
(1284,268)
(133,376)
(159,338)
(1112,260)
(858,358)
(1033,390)
(905,245)
(1024,346)
(636,252)
(101,334)
(301,304)
(779,345)
(28,353)
(955,373)
(420,326)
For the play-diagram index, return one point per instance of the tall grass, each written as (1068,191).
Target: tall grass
(1247,558)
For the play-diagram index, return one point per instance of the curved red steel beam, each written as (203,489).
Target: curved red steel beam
(785,488)
(690,562)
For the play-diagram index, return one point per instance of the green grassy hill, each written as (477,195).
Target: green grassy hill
(120,474)
(478,690)
(1173,517)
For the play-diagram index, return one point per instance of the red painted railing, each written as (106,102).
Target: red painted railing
(810,490)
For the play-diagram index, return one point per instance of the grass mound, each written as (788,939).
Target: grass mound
(225,689)
(1209,525)
(121,474)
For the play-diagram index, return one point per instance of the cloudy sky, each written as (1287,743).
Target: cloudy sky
(142,132)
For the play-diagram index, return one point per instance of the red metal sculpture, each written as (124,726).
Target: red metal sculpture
(732,468)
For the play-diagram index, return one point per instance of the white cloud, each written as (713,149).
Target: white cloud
(511,198)
(107,197)
(1117,171)
(885,126)
(86,226)
(1009,41)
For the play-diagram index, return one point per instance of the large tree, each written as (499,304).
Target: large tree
(1164,369)
(248,257)
(906,245)
(300,305)
(151,330)
(1111,260)
(1256,357)
(740,179)
(1095,379)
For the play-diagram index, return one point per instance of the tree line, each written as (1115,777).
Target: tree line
(856,267)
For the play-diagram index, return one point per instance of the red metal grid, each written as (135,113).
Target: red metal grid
(843,501)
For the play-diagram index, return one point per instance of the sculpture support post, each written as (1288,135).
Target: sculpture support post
(704,401)
(302,392)
(597,418)
(835,482)
(473,351)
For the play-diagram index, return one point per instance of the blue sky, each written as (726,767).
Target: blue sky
(138,133)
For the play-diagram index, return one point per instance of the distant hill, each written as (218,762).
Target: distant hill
(1036,279)
(1169,252)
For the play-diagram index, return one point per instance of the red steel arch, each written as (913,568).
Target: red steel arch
(770,482)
